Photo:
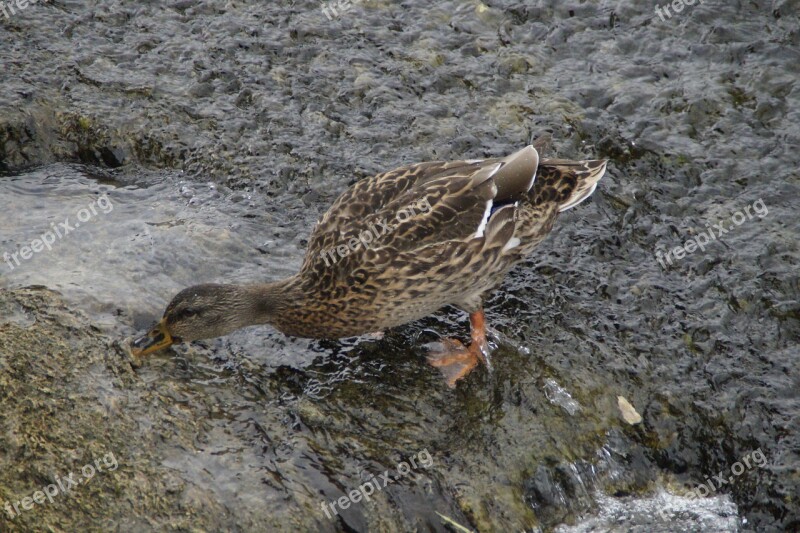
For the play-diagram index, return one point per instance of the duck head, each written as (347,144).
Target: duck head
(203,312)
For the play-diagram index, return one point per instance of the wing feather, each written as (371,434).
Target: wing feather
(414,207)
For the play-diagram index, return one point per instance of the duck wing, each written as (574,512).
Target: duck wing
(410,208)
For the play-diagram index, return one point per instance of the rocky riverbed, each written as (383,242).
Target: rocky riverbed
(201,140)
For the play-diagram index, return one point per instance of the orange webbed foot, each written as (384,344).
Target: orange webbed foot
(453,359)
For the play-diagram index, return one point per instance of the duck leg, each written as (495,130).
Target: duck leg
(453,359)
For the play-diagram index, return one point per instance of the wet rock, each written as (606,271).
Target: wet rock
(698,113)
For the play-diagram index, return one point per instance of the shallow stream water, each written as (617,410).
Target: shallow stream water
(147,240)
(218,132)
(141,242)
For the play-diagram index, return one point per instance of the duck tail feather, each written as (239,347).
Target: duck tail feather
(587,174)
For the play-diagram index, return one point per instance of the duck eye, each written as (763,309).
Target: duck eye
(186,313)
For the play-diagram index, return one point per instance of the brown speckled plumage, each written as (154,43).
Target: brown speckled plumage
(433,258)
(440,233)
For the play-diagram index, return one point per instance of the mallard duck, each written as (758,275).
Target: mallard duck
(396,247)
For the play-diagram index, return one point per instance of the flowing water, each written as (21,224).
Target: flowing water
(146,148)
(146,240)
(141,241)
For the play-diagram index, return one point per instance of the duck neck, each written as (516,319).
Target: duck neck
(267,302)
